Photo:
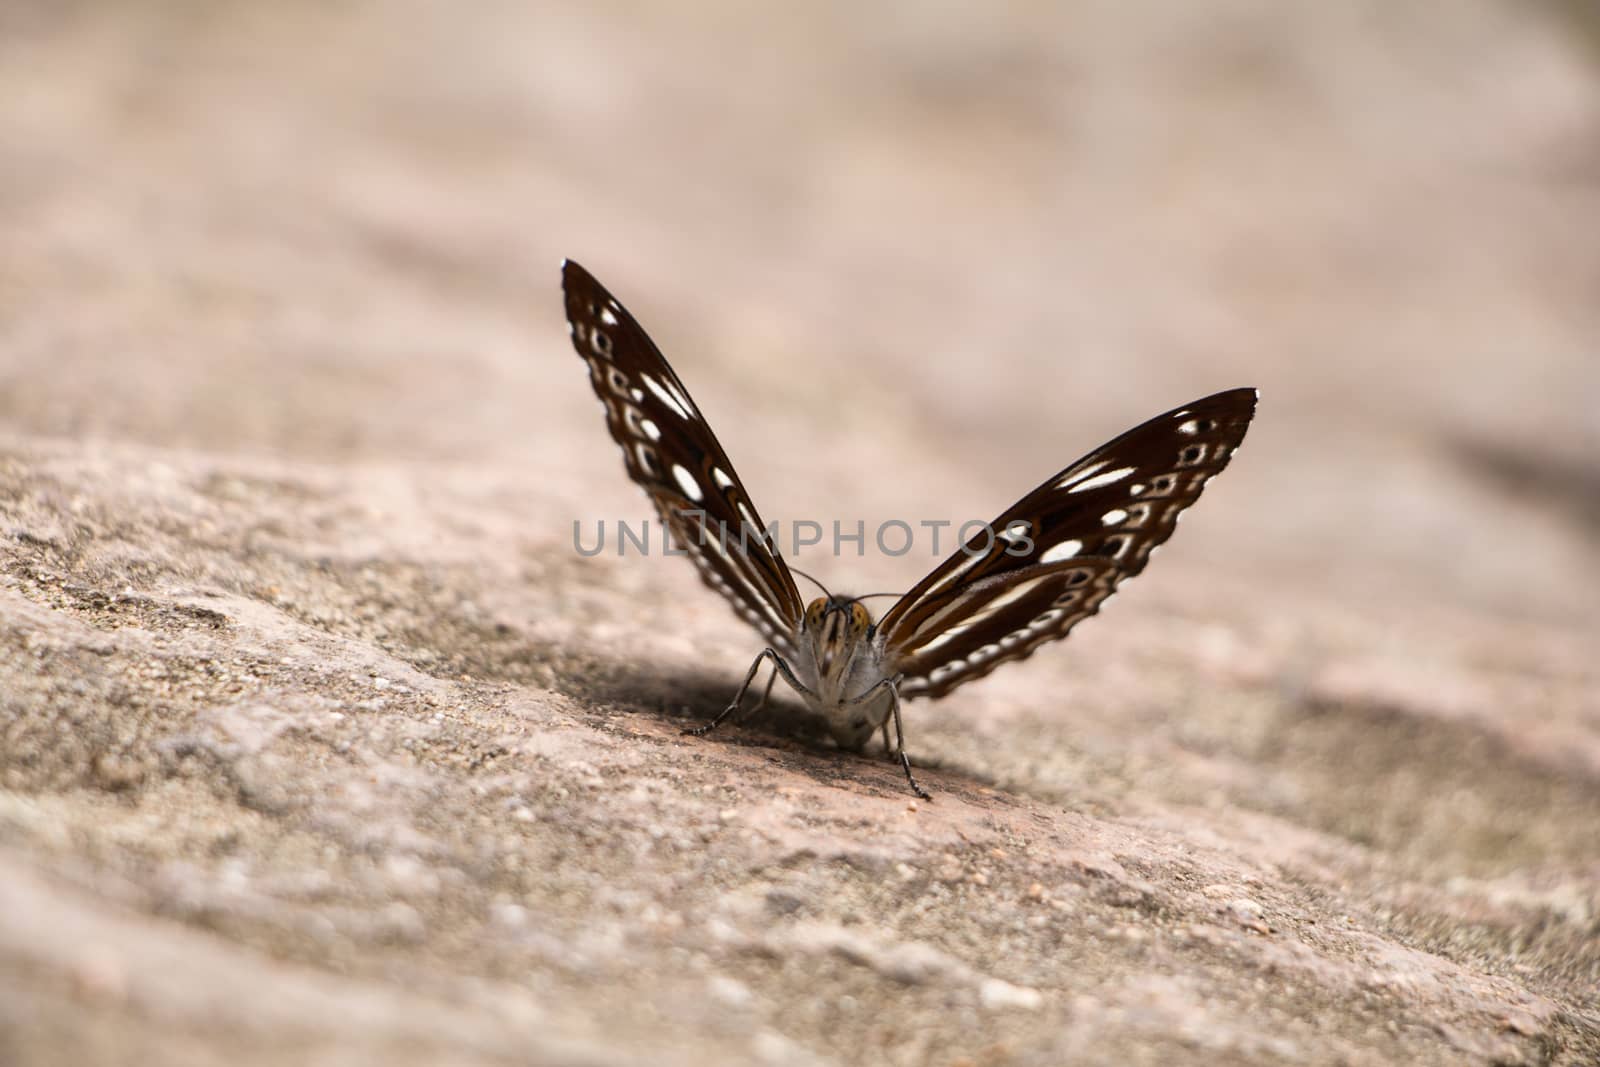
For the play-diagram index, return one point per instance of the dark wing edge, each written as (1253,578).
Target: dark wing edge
(1087,529)
(672,454)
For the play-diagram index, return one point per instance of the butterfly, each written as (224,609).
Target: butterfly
(1048,562)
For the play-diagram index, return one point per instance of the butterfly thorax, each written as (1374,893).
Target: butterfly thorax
(840,659)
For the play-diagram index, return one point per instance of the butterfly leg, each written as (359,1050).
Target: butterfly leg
(766,694)
(899,731)
(778,667)
(900,743)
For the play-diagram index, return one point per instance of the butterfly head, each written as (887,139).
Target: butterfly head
(835,627)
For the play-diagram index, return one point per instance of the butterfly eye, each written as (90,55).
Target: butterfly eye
(859,619)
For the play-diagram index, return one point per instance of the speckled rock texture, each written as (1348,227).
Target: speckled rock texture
(320,744)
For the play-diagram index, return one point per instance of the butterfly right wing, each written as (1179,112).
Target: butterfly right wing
(672,454)
(1087,528)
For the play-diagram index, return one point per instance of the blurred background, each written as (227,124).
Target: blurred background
(911,257)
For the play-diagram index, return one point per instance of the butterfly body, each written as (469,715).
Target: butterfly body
(1045,564)
(841,663)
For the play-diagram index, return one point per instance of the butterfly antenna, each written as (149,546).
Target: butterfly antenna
(869,596)
(813,581)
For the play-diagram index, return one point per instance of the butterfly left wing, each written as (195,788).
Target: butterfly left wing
(672,454)
(1056,555)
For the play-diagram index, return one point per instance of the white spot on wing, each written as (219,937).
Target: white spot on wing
(608,316)
(722,480)
(679,396)
(665,397)
(1112,517)
(1015,532)
(1008,598)
(1075,477)
(755,583)
(942,640)
(984,612)
(651,430)
(1059,552)
(686,482)
(1099,480)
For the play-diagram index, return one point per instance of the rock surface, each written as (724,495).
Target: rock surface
(320,743)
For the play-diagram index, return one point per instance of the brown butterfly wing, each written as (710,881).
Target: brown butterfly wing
(672,454)
(1088,528)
